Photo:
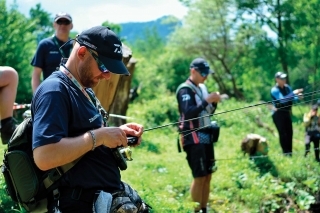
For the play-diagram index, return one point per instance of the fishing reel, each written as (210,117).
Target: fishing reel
(123,154)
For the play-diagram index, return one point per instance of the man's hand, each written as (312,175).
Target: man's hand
(133,129)
(297,91)
(213,97)
(111,137)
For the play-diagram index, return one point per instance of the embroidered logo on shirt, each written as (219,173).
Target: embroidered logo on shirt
(185,97)
(94,118)
(54,52)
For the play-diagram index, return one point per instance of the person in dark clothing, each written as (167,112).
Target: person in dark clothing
(48,55)
(69,124)
(311,121)
(195,102)
(283,97)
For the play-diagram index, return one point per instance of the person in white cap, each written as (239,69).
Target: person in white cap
(49,54)
(283,97)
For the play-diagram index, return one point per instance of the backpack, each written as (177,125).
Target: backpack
(26,184)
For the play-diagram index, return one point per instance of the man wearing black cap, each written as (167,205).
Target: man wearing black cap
(49,54)
(67,124)
(195,107)
(283,98)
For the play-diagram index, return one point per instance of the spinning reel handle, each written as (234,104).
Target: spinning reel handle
(132,140)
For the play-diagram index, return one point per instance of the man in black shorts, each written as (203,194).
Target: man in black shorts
(195,107)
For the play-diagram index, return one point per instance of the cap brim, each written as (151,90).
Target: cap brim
(60,17)
(209,71)
(282,76)
(114,66)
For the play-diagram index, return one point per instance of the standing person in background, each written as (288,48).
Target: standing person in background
(49,54)
(195,102)
(8,92)
(283,98)
(311,121)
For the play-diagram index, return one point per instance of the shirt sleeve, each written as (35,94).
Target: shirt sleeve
(38,59)
(50,117)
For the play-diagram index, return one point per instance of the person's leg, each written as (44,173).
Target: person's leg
(307,143)
(289,134)
(316,149)
(196,156)
(279,123)
(197,191)
(8,91)
(205,193)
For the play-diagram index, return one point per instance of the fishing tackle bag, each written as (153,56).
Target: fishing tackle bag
(26,184)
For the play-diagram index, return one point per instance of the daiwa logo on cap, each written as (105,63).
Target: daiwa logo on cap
(118,48)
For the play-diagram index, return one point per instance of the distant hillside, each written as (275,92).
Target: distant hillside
(132,31)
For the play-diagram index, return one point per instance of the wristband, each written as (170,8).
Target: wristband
(94,145)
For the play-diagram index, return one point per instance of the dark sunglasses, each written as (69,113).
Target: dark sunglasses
(101,66)
(63,22)
(202,73)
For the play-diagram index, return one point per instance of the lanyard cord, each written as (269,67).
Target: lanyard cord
(93,100)
(55,40)
(74,80)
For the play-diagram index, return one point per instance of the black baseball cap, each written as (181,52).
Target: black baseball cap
(202,66)
(61,15)
(280,75)
(108,46)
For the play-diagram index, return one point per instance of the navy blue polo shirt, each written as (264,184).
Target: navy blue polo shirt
(60,109)
(48,55)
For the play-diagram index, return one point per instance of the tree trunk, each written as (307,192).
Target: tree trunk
(121,100)
(113,94)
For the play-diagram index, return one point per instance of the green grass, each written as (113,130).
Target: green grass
(273,184)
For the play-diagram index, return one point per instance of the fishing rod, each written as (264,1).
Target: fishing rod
(197,129)
(232,110)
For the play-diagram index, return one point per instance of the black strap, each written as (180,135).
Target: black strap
(55,40)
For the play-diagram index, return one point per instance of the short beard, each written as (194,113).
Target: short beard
(85,74)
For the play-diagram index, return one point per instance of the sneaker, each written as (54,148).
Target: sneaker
(7,131)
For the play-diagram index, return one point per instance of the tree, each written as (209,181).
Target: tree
(17,44)
(114,27)
(276,16)
(210,31)
(43,22)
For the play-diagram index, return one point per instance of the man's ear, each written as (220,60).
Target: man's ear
(71,26)
(82,51)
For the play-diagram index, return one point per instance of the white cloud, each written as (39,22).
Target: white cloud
(91,13)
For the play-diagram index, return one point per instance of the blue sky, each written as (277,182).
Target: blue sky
(87,14)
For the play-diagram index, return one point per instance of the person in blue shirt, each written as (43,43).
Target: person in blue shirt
(68,123)
(283,97)
(8,90)
(49,54)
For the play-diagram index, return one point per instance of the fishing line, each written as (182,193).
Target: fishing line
(197,129)
(232,110)
(267,156)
